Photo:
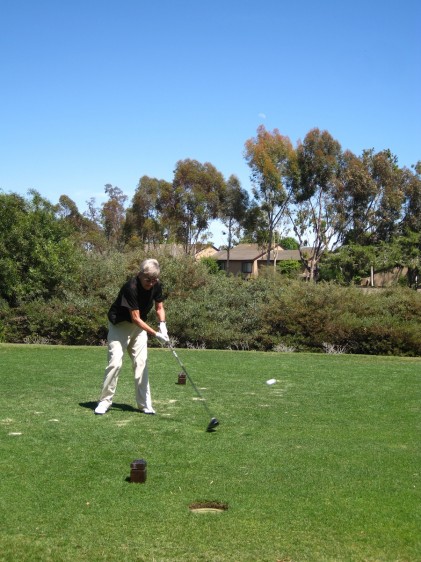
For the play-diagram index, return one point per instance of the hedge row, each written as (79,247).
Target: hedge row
(215,311)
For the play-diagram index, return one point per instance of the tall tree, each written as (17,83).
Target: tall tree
(67,209)
(359,195)
(412,199)
(388,178)
(271,158)
(143,218)
(93,213)
(316,218)
(197,193)
(233,211)
(373,189)
(88,233)
(113,214)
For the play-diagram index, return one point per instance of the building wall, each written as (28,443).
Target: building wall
(207,252)
(236,268)
(385,278)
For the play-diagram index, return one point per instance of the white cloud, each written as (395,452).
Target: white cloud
(262,115)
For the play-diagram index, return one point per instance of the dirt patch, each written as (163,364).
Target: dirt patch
(208,507)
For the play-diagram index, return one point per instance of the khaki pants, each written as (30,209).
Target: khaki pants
(121,337)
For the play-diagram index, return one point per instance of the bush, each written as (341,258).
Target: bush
(220,314)
(211,264)
(291,268)
(226,312)
(311,315)
(82,322)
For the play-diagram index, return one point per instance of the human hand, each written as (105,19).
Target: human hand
(162,337)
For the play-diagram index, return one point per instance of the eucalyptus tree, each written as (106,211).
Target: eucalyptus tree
(271,158)
(144,217)
(113,214)
(358,195)
(389,182)
(379,206)
(255,227)
(233,211)
(317,214)
(194,200)
(410,226)
(411,216)
(67,209)
(374,191)
(86,232)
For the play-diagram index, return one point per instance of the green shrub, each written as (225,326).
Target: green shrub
(227,312)
(82,322)
(308,315)
(291,268)
(211,264)
(220,314)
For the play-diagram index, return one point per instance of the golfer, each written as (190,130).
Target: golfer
(129,331)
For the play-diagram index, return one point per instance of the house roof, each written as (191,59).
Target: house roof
(252,252)
(242,252)
(176,250)
(288,254)
(282,255)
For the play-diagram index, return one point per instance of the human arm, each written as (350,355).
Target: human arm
(160,312)
(162,334)
(136,319)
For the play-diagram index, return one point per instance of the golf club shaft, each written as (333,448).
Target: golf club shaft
(190,379)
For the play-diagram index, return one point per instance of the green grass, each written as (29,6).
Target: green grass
(323,465)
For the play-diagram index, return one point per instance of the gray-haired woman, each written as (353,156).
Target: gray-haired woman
(128,330)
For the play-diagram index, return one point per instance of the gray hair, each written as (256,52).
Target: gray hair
(150,267)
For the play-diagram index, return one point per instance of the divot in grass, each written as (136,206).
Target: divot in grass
(208,507)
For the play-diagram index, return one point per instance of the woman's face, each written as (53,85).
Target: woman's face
(147,281)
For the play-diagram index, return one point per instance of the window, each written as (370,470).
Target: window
(247,267)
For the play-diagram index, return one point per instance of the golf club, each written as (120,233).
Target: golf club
(214,422)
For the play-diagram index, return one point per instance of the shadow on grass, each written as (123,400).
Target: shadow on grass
(115,406)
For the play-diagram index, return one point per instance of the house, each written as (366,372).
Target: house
(204,251)
(246,259)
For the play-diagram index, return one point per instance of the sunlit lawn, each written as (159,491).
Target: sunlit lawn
(322,465)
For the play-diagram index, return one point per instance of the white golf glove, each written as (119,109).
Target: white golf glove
(162,337)
(163,328)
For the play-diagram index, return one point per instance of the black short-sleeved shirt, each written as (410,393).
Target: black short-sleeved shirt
(133,296)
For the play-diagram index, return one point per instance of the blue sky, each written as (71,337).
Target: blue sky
(95,92)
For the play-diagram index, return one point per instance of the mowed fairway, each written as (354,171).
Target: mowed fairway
(324,464)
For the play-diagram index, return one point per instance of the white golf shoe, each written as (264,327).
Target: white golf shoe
(102,408)
(147,410)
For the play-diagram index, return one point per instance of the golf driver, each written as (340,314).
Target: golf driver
(214,422)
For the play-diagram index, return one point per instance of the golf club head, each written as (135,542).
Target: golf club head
(212,424)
